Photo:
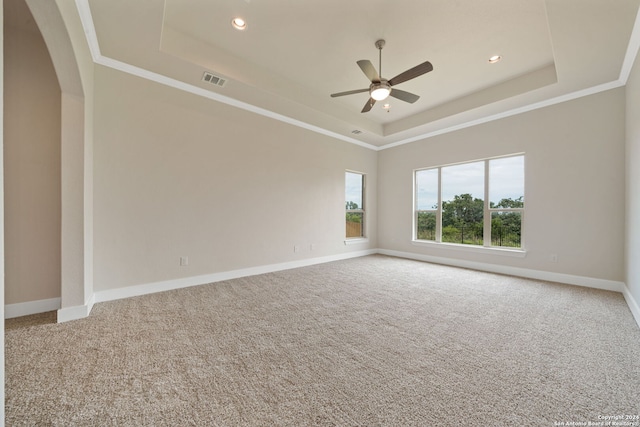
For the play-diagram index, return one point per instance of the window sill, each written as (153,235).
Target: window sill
(356,240)
(517,253)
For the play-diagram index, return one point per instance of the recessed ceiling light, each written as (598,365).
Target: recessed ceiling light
(239,24)
(494,59)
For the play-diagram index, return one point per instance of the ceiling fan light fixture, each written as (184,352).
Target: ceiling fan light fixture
(380,91)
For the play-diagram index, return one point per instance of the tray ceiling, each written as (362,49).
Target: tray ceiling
(293,54)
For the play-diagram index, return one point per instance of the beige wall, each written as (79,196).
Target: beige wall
(179,175)
(31,169)
(632,253)
(574,186)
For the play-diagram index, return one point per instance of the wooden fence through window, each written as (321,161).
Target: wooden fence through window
(354,229)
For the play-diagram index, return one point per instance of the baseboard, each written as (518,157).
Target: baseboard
(632,303)
(168,285)
(589,282)
(76,312)
(31,307)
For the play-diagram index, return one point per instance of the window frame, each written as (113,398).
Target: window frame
(360,210)
(487,213)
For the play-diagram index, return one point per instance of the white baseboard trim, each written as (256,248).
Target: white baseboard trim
(589,282)
(168,285)
(76,312)
(31,307)
(632,303)
(79,312)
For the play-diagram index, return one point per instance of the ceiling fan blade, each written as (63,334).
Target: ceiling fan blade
(367,68)
(368,105)
(349,92)
(404,96)
(412,73)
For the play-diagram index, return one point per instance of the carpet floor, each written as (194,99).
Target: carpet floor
(371,341)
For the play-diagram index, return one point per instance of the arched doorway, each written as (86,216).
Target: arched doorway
(75,163)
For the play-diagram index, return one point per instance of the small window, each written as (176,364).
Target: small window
(506,201)
(463,204)
(354,204)
(426,204)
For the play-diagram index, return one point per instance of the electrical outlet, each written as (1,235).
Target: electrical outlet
(312,247)
(296,248)
(553,257)
(184,261)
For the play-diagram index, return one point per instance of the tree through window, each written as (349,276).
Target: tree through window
(478,203)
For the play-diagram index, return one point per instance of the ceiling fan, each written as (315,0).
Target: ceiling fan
(381,88)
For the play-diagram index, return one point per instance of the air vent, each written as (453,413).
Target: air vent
(356,132)
(213,79)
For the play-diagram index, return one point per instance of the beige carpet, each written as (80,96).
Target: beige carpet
(373,341)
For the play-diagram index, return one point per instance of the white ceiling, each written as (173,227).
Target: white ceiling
(295,53)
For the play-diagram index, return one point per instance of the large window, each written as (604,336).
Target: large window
(354,197)
(478,203)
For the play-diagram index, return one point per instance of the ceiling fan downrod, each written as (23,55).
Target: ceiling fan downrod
(380,44)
